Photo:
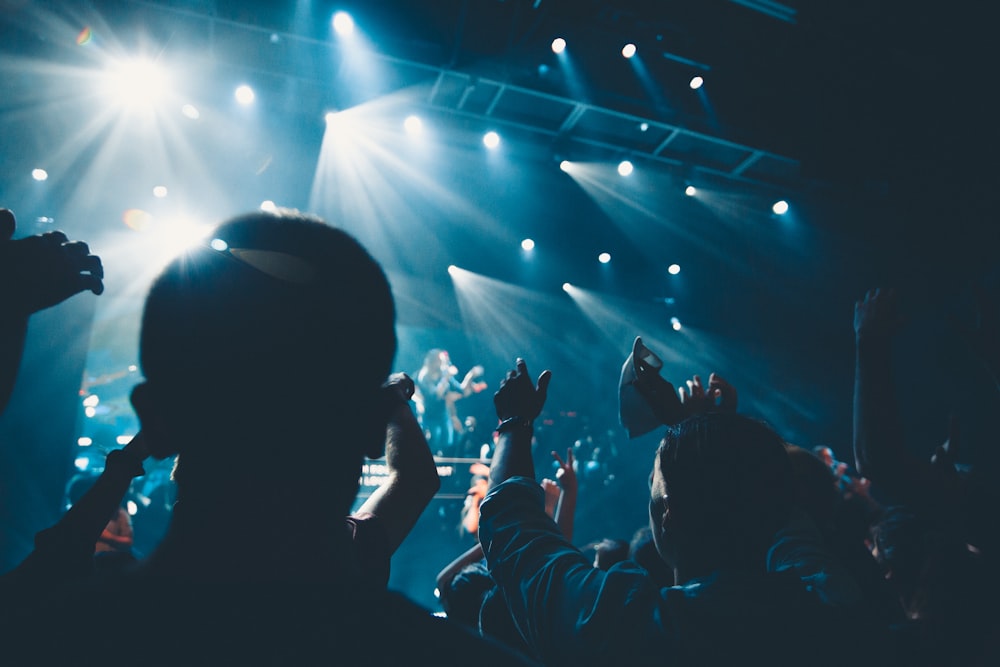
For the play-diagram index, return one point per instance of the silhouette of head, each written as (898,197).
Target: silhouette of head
(721,487)
(263,352)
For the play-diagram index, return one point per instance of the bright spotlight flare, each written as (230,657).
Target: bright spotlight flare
(628,50)
(675,324)
(527,244)
(604,257)
(696,83)
(780,207)
(244,95)
(413,125)
(343,24)
(625,168)
(491,139)
(138,83)
(690,191)
(558,45)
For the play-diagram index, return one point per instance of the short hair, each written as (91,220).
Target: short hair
(731,479)
(279,324)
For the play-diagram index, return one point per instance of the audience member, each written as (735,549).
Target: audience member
(257,566)
(721,488)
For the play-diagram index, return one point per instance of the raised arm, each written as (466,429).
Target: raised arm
(35,273)
(413,478)
(518,402)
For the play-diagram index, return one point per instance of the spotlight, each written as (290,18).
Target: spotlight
(452,270)
(675,323)
(566,287)
(84,441)
(604,257)
(527,244)
(491,139)
(137,83)
(244,95)
(780,207)
(39,174)
(191,111)
(628,50)
(124,439)
(92,401)
(625,168)
(674,269)
(82,462)
(160,191)
(218,244)
(564,165)
(643,127)
(132,508)
(558,45)
(90,411)
(690,191)
(343,24)
(268,205)
(413,125)
(696,83)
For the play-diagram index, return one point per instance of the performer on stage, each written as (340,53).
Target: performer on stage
(436,395)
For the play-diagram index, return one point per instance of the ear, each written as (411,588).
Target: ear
(152,421)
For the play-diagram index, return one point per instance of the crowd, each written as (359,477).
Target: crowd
(756,551)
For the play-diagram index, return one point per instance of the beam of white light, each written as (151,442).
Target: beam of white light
(491,139)
(507,313)
(364,183)
(245,95)
(343,24)
(138,84)
(558,45)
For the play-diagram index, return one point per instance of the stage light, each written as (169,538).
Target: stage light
(643,127)
(566,287)
(491,139)
(625,168)
(343,24)
(191,111)
(84,441)
(90,411)
(628,50)
(91,401)
(564,165)
(218,244)
(244,95)
(558,45)
(696,83)
(780,207)
(39,174)
(160,191)
(690,191)
(675,323)
(604,257)
(527,244)
(138,83)
(81,462)
(132,508)
(124,439)
(452,270)
(674,269)
(413,125)
(268,205)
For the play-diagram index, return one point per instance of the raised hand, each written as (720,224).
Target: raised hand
(518,397)
(877,314)
(720,395)
(566,473)
(40,271)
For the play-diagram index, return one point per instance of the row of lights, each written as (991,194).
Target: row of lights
(628,52)
(604,258)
